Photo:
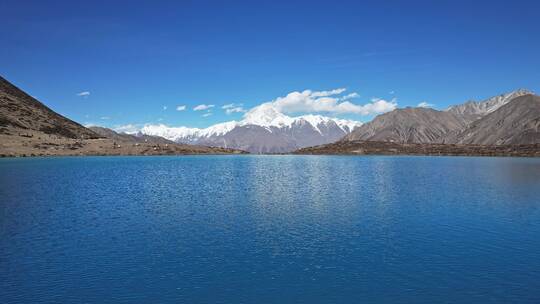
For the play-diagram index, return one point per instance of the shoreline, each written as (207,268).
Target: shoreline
(416,149)
(38,144)
(514,155)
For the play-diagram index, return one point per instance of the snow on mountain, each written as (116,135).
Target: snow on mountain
(187,135)
(266,115)
(316,120)
(265,129)
(281,133)
(487,106)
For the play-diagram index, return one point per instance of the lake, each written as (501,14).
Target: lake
(270,229)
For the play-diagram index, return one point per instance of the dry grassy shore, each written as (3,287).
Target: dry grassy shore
(31,143)
(389,148)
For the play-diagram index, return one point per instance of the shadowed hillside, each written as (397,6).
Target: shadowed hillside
(20,112)
(29,128)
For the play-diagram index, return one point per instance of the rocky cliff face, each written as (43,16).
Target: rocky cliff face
(516,122)
(410,125)
(482,108)
(505,119)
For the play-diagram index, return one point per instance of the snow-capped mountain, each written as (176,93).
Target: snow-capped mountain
(263,130)
(481,108)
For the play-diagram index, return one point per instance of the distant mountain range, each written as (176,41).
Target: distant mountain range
(505,125)
(511,118)
(139,138)
(28,127)
(263,130)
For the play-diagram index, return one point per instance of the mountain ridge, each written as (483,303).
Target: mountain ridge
(515,122)
(409,125)
(425,125)
(27,126)
(263,130)
(488,105)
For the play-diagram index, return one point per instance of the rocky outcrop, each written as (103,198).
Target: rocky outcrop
(515,123)
(410,125)
(508,119)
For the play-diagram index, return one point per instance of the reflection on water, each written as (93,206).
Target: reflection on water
(269,229)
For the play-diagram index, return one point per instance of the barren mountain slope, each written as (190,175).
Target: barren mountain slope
(409,125)
(20,112)
(517,122)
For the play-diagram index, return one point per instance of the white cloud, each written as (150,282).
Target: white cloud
(202,107)
(232,105)
(105,117)
(234,108)
(425,105)
(129,128)
(328,93)
(350,96)
(329,101)
(164,108)
(84,94)
(180,108)
(334,102)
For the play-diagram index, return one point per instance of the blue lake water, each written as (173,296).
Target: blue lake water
(270,229)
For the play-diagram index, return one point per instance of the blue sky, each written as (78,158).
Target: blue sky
(135,58)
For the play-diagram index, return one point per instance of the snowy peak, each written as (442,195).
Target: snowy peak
(218,129)
(263,117)
(266,115)
(187,135)
(348,125)
(487,106)
(318,121)
(177,134)
(263,130)
(492,104)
